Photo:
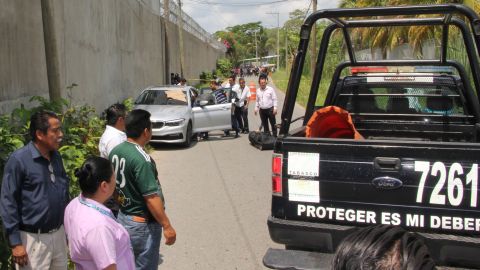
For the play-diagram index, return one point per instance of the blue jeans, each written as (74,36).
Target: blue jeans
(145,239)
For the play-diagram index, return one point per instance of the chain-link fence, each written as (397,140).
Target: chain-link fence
(189,24)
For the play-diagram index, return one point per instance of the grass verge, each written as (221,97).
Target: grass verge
(280,79)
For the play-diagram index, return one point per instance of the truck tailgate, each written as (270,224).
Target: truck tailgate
(423,186)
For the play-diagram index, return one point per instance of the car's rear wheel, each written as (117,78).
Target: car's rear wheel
(188,135)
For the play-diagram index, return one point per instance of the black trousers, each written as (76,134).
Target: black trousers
(245,118)
(237,115)
(266,115)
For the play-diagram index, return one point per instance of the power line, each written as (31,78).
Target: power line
(238,4)
(308,9)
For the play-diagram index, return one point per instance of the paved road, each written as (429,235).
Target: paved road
(218,199)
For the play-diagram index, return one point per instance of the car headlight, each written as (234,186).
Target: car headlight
(174,123)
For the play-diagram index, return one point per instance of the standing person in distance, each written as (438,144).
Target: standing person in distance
(231,82)
(221,97)
(142,210)
(237,122)
(218,92)
(241,106)
(34,196)
(233,98)
(182,82)
(96,239)
(266,104)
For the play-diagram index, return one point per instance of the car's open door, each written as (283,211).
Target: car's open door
(208,116)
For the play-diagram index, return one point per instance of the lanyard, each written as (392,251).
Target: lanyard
(99,209)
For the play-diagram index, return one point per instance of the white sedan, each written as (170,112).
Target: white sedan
(176,115)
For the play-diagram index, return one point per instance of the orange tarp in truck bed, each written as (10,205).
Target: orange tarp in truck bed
(332,122)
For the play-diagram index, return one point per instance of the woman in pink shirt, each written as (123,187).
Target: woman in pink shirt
(96,240)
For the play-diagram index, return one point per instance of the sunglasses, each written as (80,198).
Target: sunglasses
(52,175)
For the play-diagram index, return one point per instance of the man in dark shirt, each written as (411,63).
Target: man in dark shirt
(34,196)
(221,98)
(218,93)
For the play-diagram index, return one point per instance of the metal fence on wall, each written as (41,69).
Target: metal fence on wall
(189,24)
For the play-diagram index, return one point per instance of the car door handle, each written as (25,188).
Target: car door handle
(225,108)
(385,163)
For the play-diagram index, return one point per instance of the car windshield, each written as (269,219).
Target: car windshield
(162,97)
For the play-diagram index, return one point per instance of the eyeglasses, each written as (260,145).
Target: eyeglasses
(52,175)
(56,130)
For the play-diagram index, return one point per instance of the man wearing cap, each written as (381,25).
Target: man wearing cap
(34,196)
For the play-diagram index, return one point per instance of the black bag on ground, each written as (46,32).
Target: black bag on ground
(262,141)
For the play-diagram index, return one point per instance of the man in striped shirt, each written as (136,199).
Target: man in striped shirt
(218,93)
(221,97)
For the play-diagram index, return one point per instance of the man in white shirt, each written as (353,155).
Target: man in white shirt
(266,104)
(241,105)
(230,83)
(115,130)
(113,135)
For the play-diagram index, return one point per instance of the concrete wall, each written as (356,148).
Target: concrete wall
(111,49)
(22,53)
(199,56)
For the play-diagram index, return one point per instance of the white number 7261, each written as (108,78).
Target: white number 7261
(455,190)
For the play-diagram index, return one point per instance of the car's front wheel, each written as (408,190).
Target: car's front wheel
(188,135)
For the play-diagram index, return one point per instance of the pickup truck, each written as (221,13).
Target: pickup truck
(417,163)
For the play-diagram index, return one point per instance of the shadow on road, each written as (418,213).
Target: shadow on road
(212,137)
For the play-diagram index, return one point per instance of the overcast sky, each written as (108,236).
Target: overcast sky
(214,15)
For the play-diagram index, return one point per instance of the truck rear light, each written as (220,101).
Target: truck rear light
(277,164)
(277,185)
(277,160)
(357,70)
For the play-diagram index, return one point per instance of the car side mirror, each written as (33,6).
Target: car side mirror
(203,103)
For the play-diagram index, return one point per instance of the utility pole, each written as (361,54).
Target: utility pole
(166,51)
(256,49)
(313,48)
(278,40)
(180,36)
(166,9)
(286,50)
(51,53)
(278,37)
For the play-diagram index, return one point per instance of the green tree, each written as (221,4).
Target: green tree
(224,66)
(387,38)
(242,41)
(82,130)
(292,32)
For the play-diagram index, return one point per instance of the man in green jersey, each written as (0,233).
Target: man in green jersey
(142,210)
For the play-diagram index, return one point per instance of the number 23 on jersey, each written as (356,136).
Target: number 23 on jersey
(119,167)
